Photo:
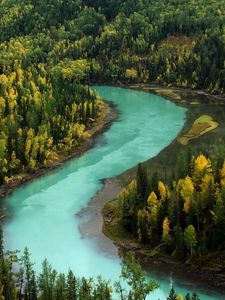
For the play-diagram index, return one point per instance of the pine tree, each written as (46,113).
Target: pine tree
(71,287)
(33,287)
(187,297)
(154,182)
(142,182)
(28,273)
(46,281)
(195,296)
(179,241)
(60,287)
(172,295)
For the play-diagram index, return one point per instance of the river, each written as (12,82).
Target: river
(43,210)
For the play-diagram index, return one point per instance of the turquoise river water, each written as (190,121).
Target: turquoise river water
(43,210)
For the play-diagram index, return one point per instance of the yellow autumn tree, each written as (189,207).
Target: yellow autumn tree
(28,143)
(178,186)
(142,225)
(31,164)
(2,106)
(166,237)
(202,162)
(153,208)
(202,166)
(127,199)
(207,189)
(162,190)
(187,193)
(15,162)
(131,73)
(222,175)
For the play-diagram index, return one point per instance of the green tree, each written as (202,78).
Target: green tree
(46,281)
(29,276)
(71,286)
(190,238)
(136,278)
(172,295)
(142,182)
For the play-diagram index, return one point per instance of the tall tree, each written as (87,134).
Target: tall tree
(142,182)
(136,278)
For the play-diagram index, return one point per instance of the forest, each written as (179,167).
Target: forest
(51,50)
(184,216)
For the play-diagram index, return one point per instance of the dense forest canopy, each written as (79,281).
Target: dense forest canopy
(178,42)
(182,215)
(49,50)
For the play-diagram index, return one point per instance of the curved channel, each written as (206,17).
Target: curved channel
(42,211)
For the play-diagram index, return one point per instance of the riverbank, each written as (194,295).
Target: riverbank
(211,275)
(107,115)
(172,92)
(197,105)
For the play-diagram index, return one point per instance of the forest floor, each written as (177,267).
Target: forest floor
(197,104)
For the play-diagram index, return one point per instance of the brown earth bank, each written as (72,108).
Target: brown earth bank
(197,104)
(107,116)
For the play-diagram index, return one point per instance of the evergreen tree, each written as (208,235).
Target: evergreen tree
(172,294)
(71,287)
(29,274)
(142,183)
(187,297)
(195,296)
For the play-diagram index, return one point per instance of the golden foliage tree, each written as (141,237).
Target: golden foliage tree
(187,193)
(166,237)
(162,190)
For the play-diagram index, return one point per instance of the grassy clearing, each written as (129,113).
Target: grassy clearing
(168,93)
(202,125)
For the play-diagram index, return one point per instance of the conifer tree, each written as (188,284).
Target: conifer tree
(71,286)
(172,294)
(142,182)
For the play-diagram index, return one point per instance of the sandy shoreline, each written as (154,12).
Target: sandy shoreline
(92,228)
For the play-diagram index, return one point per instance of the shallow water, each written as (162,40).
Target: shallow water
(42,211)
